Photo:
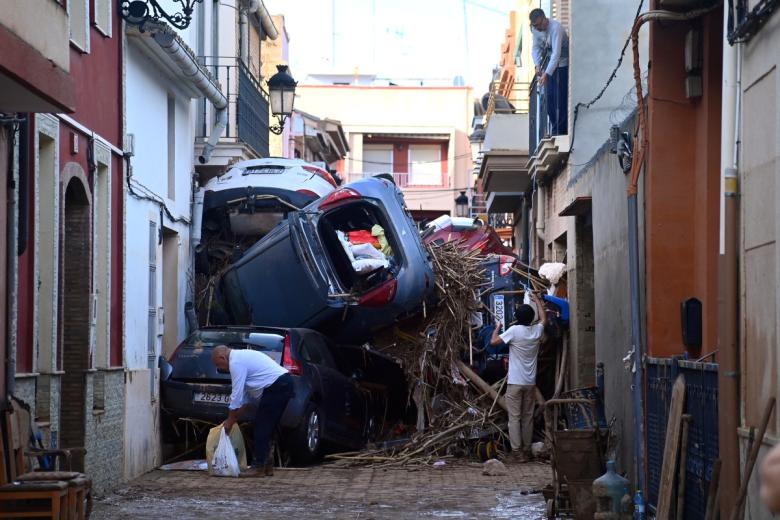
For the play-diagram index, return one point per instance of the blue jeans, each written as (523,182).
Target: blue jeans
(269,412)
(557,92)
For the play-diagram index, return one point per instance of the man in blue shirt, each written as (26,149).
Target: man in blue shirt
(550,52)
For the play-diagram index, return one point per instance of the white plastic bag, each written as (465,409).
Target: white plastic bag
(225,463)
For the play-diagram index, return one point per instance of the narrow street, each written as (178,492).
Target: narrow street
(454,491)
(390,259)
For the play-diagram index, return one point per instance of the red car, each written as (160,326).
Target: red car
(473,234)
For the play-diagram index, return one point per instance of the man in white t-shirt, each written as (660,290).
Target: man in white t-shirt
(255,379)
(523,340)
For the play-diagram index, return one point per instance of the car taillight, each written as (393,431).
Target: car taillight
(505,264)
(308,193)
(340,195)
(175,352)
(292,365)
(319,172)
(379,296)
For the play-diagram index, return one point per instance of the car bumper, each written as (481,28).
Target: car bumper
(177,400)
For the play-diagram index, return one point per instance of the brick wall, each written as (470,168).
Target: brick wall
(75,312)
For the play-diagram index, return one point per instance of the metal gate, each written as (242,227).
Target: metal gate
(701,402)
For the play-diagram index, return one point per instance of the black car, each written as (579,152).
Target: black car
(335,397)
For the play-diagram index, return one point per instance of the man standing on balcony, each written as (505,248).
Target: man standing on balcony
(551,57)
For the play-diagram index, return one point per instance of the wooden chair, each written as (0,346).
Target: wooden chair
(33,492)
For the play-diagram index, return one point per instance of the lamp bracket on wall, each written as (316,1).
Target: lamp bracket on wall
(278,129)
(138,12)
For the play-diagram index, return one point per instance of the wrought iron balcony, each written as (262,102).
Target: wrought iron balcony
(539,124)
(247,105)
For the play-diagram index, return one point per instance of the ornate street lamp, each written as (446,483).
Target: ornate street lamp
(462,205)
(138,12)
(281,90)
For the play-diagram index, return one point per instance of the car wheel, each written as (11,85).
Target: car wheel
(307,437)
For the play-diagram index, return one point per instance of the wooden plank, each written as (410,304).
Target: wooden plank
(686,424)
(481,384)
(736,513)
(671,449)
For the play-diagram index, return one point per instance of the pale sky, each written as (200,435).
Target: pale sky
(396,38)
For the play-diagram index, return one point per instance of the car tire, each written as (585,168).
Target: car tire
(306,445)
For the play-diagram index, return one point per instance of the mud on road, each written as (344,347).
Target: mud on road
(458,490)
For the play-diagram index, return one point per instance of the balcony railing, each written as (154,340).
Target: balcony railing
(247,104)
(401,179)
(539,123)
(503,99)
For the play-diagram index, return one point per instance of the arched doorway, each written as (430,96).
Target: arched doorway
(75,315)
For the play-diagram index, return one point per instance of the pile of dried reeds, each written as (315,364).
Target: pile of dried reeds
(449,409)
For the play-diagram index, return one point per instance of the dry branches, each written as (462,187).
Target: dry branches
(447,411)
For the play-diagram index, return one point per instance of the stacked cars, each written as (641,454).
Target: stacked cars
(331,271)
(308,273)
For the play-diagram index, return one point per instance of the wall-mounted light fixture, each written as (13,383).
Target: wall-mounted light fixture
(281,90)
(462,205)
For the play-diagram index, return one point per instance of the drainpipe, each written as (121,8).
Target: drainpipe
(243,39)
(540,200)
(168,41)
(637,164)
(267,22)
(261,18)
(728,277)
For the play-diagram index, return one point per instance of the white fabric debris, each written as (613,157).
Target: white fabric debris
(365,258)
(553,271)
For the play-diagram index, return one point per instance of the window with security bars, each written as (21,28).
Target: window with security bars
(152,324)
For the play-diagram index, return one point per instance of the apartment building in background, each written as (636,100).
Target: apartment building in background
(418,134)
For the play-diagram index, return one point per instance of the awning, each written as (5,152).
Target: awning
(577,207)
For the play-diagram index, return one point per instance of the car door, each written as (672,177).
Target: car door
(275,283)
(355,401)
(313,353)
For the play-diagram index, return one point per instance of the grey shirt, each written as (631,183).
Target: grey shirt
(555,42)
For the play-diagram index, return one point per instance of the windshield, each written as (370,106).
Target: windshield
(193,360)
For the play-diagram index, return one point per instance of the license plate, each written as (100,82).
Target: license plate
(265,170)
(211,397)
(498,308)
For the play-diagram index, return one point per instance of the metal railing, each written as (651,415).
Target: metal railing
(539,123)
(501,220)
(401,179)
(503,99)
(248,102)
(701,402)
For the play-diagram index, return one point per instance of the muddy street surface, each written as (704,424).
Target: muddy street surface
(458,490)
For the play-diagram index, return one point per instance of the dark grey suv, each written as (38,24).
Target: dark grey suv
(301,274)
